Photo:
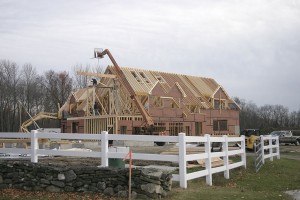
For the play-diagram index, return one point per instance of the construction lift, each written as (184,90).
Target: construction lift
(149,123)
(100,54)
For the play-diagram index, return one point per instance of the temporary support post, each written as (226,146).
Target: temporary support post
(182,160)
(34,146)
(104,149)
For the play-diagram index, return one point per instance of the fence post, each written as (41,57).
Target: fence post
(182,160)
(104,149)
(225,158)
(243,146)
(271,148)
(34,146)
(262,148)
(208,160)
(277,147)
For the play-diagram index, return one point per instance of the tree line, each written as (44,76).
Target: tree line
(24,93)
(267,118)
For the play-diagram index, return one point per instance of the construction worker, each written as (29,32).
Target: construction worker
(94,82)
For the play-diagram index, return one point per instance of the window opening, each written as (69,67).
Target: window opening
(123,129)
(135,76)
(220,125)
(187,131)
(159,127)
(75,126)
(144,77)
(158,102)
(175,128)
(198,128)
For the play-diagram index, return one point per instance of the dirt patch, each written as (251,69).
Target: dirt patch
(289,148)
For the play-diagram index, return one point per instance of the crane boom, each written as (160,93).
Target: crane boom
(127,85)
(41,115)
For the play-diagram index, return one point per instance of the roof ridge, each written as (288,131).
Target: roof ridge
(155,71)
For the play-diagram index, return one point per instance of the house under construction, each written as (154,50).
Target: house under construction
(138,101)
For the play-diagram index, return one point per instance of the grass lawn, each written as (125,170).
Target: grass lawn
(273,179)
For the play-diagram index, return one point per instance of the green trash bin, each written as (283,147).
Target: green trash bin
(117,162)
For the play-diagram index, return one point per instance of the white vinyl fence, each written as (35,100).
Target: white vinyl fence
(267,147)
(182,158)
(270,146)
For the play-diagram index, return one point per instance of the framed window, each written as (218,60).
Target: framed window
(123,129)
(175,128)
(75,126)
(144,77)
(187,130)
(159,127)
(135,76)
(198,128)
(158,102)
(220,125)
(216,104)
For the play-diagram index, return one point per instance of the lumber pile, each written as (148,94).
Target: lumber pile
(215,161)
(190,150)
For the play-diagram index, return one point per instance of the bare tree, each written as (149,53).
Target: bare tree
(79,80)
(265,113)
(293,119)
(28,90)
(9,96)
(58,88)
(280,114)
(31,93)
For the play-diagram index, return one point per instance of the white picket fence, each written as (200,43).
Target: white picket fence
(182,158)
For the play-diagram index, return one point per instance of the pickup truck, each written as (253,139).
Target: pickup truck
(286,137)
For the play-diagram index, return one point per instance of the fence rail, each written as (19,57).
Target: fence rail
(182,158)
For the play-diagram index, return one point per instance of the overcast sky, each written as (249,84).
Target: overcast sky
(250,47)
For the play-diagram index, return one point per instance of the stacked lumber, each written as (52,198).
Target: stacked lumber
(215,161)
(190,150)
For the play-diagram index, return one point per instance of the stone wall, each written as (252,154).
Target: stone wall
(146,183)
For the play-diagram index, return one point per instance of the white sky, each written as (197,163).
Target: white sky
(250,47)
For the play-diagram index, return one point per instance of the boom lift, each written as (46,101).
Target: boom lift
(41,115)
(98,53)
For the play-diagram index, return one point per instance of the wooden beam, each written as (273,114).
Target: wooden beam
(96,74)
